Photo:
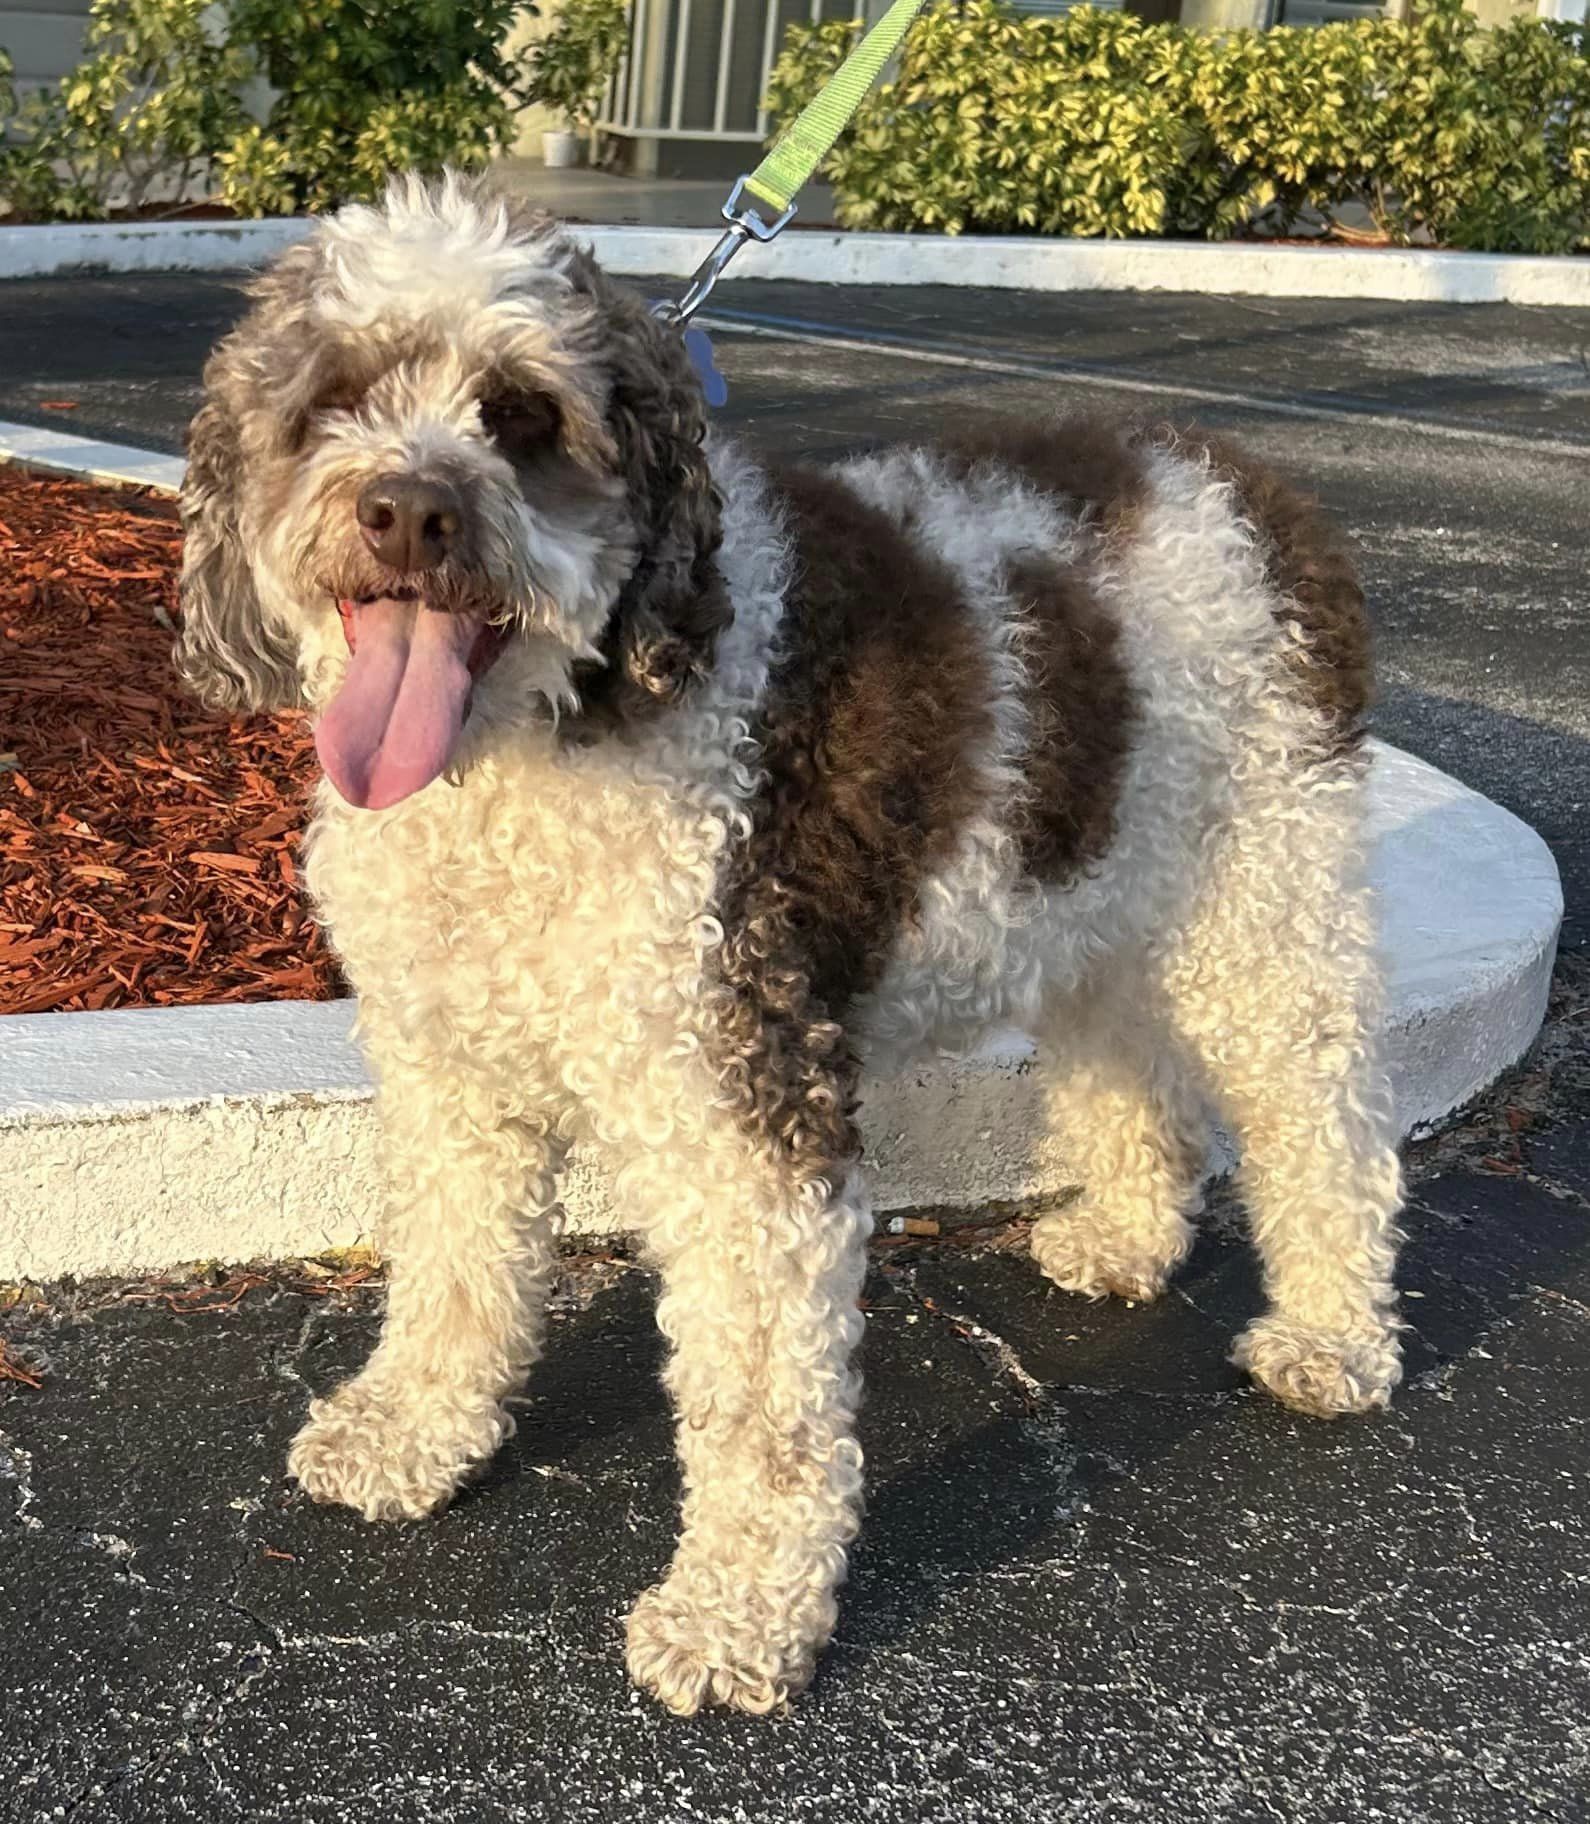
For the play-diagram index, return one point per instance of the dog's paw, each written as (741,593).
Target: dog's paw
(1083,1254)
(688,1656)
(386,1456)
(1320,1372)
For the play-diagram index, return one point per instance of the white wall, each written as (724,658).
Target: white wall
(44,37)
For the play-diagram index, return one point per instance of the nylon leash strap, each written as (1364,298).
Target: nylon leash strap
(795,155)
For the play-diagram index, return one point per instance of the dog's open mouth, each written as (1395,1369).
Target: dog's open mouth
(393,725)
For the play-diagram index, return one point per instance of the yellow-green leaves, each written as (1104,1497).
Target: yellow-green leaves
(569,68)
(1095,123)
(135,122)
(362,88)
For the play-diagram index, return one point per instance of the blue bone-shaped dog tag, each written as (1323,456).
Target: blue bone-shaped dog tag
(698,345)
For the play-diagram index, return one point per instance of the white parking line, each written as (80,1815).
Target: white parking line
(817,335)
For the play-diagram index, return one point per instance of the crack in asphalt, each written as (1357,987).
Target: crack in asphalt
(1553,1187)
(1000,1354)
(122,1553)
(285,1362)
(194,1728)
(994,1350)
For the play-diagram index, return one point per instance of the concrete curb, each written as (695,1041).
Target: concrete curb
(1244,269)
(141,1139)
(58,247)
(66,454)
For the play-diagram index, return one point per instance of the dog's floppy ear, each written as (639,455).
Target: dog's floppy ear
(226,654)
(670,612)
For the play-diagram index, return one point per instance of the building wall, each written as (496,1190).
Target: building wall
(44,37)
(1496,12)
(532,122)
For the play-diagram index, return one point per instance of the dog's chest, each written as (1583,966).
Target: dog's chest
(542,894)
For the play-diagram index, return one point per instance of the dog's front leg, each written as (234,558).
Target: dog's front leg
(468,1240)
(760,1306)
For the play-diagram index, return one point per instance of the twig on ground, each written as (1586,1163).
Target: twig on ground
(13,1370)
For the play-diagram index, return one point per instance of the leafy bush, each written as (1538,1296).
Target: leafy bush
(8,108)
(366,87)
(1096,123)
(570,67)
(1471,138)
(137,119)
(362,88)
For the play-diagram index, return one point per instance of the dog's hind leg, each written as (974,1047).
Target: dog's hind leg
(1276,989)
(1120,1097)
(468,1240)
(761,1283)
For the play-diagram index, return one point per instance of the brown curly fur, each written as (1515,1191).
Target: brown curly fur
(1091,466)
(873,712)
(1308,562)
(1082,707)
(664,629)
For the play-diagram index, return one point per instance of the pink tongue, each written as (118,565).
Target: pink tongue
(395,722)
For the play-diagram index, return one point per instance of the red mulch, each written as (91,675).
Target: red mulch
(146,847)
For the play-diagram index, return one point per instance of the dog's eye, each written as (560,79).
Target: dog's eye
(520,423)
(340,399)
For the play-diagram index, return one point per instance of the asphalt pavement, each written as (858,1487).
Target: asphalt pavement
(1102,1579)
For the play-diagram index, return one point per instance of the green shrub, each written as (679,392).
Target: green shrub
(1471,138)
(136,120)
(8,108)
(1095,123)
(568,70)
(16,162)
(366,87)
(363,88)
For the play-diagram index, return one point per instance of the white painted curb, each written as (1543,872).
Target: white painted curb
(1004,263)
(57,247)
(141,1139)
(67,454)
(1020,264)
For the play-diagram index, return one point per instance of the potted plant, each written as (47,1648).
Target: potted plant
(569,68)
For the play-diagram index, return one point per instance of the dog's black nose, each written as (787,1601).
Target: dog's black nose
(409,524)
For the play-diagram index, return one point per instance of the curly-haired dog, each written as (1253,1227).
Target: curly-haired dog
(661,786)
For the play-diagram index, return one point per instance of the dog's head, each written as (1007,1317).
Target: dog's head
(443,445)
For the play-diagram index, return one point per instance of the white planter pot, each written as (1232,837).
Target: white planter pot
(560,149)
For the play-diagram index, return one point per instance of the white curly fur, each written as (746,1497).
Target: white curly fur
(533,942)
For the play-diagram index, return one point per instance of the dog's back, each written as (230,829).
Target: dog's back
(1019,682)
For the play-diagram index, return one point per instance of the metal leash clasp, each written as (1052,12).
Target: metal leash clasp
(744,225)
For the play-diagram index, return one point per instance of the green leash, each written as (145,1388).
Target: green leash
(795,155)
(809,138)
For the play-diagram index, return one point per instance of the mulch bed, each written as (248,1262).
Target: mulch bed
(146,847)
